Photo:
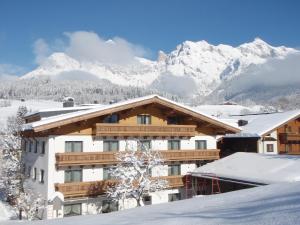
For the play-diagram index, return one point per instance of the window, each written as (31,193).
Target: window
(72,210)
(73,146)
(201,144)
(43,147)
(30,146)
(110,146)
(144,145)
(143,119)
(147,199)
(270,148)
(29,171)
(173,144)
(42,174)
(174,170)
(109,206)
(36,146)
(73,176)
(106,173)
(174,197)
(114,118)
(25,146)
(173,120)
(24,169)
(34,174)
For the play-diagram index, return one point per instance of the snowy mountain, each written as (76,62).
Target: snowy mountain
(196,68)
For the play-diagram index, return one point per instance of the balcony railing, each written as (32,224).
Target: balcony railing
(288,137)
(94,188)
(107,129)
(107,158)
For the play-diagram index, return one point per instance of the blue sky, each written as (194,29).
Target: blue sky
(153,24)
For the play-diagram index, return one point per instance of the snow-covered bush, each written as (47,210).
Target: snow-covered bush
(133,174)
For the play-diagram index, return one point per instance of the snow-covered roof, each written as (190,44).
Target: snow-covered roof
(262,124)
(100,108)
(61,110)
(254,168)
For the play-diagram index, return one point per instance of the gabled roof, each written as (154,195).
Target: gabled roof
(263,124)
(56,121)
(254,168)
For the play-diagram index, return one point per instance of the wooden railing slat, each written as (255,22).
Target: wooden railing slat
(93,158)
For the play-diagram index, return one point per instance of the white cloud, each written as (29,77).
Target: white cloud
(89,46)
(10,72)
(274,73)
(41,50)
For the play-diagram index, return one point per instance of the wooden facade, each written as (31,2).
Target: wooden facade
(289,137)
(94,188)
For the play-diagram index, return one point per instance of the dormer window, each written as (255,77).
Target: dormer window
(143,119)
(113,118)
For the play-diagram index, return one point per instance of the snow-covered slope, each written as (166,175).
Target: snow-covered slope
(32,105)
(275,204)
(193,67)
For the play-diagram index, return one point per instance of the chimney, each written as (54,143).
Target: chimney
(242,123)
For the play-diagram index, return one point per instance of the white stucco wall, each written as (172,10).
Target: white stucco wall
(56,144)
(262,145)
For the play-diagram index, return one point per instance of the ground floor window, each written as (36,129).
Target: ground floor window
(72,210)
(270,148)
(109,206)
(147,199)
(174,197)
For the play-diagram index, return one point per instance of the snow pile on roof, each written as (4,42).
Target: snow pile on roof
(254,167)
(263,123)
(274,204)
(226,110)
(6,213)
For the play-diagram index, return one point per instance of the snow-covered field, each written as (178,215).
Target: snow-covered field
(275,204)
(31,105)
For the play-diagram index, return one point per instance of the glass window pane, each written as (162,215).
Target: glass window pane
(68,176)
(77,146)
(76,175)
(173,144)
(106,174)
(139,119)
(68,146)
(201,144)
(144,145)
(105,146)
(72,210)
(114,146)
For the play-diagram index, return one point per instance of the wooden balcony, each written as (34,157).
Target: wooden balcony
(94,188)
(286,138)
(108,158)
(108,129)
